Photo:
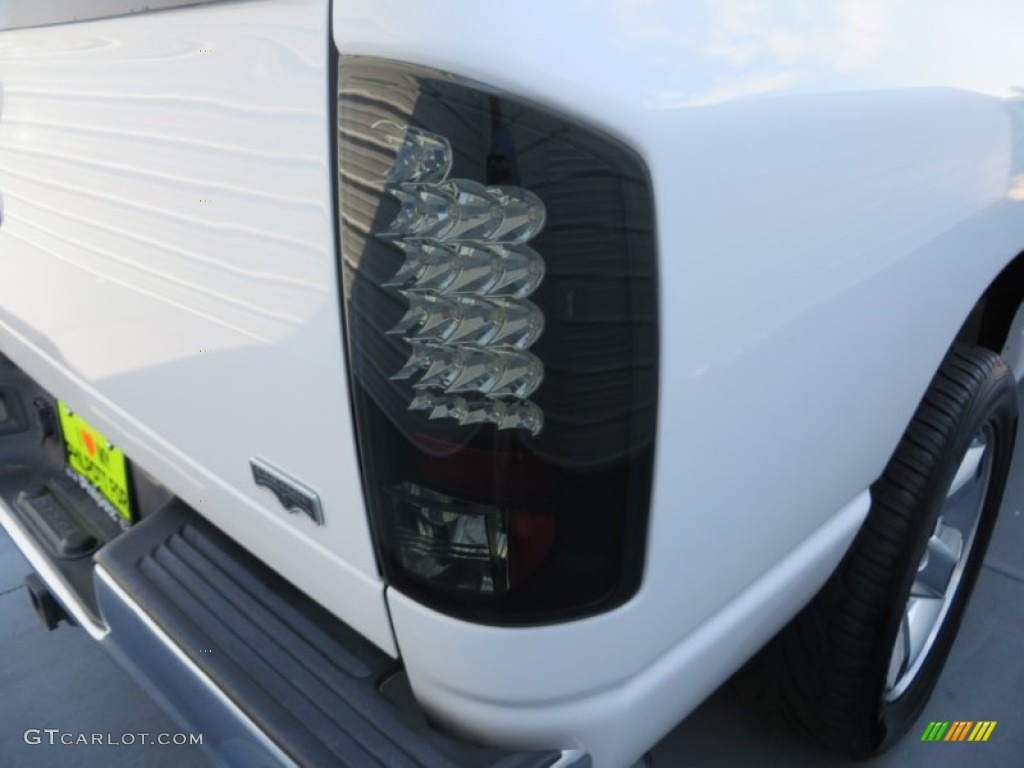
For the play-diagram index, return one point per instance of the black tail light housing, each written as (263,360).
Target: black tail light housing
(500,300)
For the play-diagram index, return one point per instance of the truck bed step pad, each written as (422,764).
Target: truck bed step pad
(302,676)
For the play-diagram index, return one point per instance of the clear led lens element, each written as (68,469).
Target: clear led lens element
(522,214)
(451,541)
(504,414)
(429,318)
(522,270)
(426,211)
(497,373)
(446,365)
(421,156)
(428,268)
(490,372)
(513,323)
(475,271)
(466,275)
(461,320)
(474,214)
(472,269)
(460,210)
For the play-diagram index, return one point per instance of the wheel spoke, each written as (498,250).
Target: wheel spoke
(936,569)
(921,616)
(968,467)
(900,653)
(951,536)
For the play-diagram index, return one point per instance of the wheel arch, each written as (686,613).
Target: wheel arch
(989,322)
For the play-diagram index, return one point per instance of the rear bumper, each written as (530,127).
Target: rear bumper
(233,652)
(226,645)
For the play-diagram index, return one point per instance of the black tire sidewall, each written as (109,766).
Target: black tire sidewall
(994,402)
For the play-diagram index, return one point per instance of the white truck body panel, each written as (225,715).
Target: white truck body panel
(115,278)
(19,14)
(829,210)
(614,722)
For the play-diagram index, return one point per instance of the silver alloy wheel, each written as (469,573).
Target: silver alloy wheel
(941,566)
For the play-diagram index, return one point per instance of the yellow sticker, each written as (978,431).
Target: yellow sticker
(95,459)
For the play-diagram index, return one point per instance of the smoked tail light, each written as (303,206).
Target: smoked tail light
(500,302)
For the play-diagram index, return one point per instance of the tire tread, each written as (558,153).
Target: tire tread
(819,662)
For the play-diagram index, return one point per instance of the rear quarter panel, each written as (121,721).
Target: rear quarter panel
(835,188)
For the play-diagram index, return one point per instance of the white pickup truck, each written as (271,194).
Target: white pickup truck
(406,383)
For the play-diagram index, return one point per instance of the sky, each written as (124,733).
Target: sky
(712,51)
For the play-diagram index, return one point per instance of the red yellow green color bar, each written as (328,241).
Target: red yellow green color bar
(958,730)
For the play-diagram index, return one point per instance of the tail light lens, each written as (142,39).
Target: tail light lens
(498,271)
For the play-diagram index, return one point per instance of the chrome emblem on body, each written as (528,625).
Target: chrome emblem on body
(293,495)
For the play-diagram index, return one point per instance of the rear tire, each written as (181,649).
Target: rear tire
(845,670)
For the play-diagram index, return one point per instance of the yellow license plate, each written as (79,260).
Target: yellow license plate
(92,456)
